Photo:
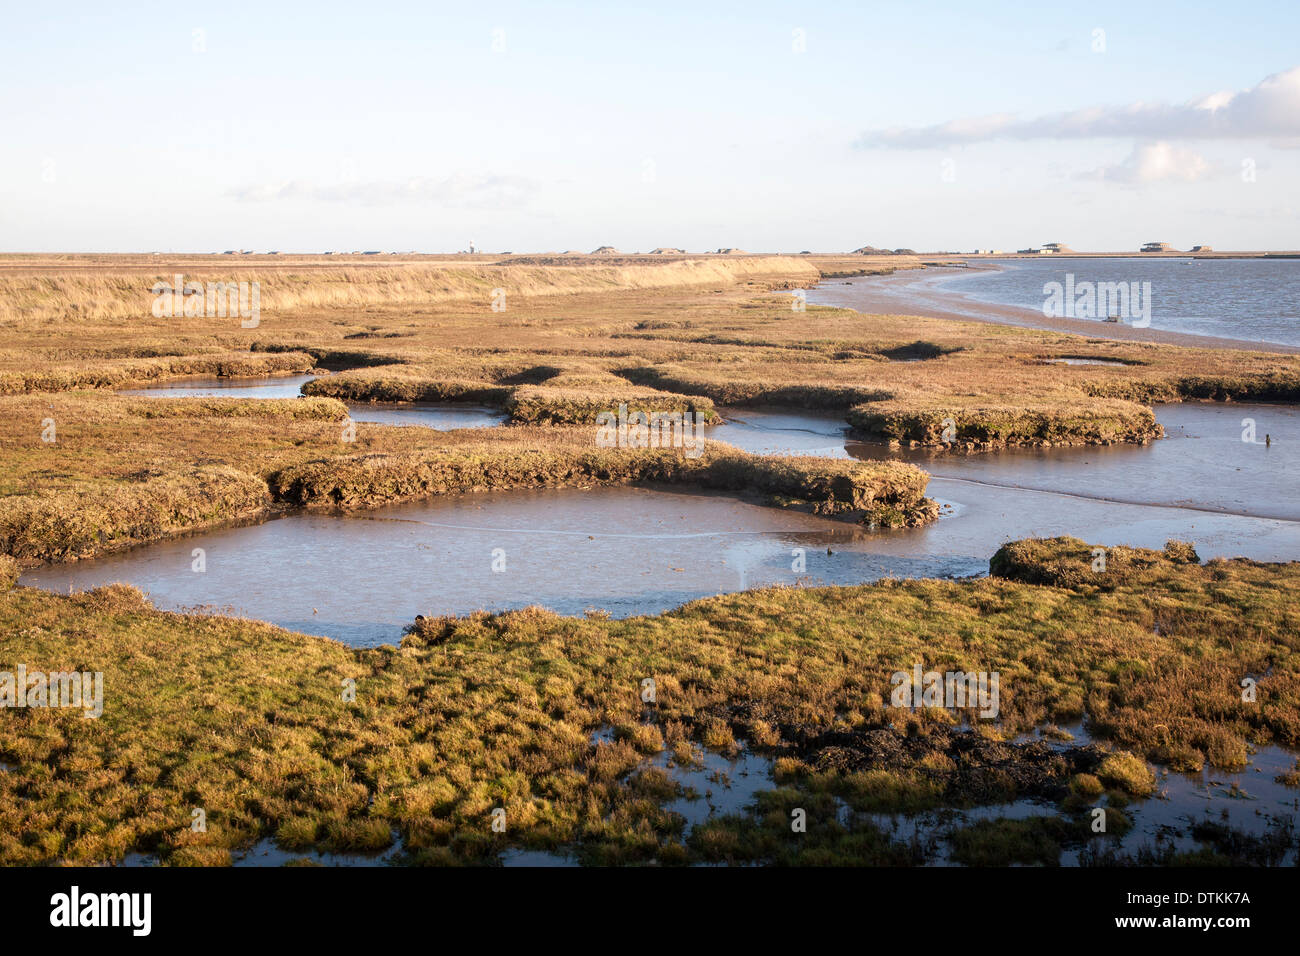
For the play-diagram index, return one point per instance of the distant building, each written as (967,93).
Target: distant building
(1202,248)
(1029,252)
(988,252)
(1056,248)
(1157,247)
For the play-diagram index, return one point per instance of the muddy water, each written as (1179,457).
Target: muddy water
(775,432)
(211,386)
(1200,483)
(1249,800)
(362,577)
(441,416)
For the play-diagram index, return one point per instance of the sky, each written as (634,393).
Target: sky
(422,126)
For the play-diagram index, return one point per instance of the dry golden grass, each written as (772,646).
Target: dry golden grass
(36,297)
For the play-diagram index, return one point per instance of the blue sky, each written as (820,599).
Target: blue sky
(306,127)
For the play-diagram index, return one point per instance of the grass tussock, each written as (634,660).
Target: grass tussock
(583,406)
(1062,421)
(69,524)
(889,494)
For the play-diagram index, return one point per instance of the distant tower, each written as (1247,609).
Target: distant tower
(471,247)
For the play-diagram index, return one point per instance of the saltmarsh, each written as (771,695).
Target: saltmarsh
(255,725)
(670,337)
(249,722)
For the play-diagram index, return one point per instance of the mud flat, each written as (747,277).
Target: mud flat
(363,577)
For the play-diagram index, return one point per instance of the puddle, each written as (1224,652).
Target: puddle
(1083,361)
(536,858)
(719,785)
(765,431)
(363,577)
(443,416)
(211,386)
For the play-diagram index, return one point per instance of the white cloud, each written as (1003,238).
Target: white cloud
(1155,163)
(461,190)
(1271,109)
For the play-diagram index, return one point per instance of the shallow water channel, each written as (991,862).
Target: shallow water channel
(361,577)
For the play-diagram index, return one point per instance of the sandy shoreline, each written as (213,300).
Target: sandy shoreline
(915,292)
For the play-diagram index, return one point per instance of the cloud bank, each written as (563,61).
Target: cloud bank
(1268,110)
(1156,163)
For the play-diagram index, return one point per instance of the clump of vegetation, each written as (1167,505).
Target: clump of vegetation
(582,406)
(272,409)
(768,836)
(885,492)
(80,522)
(1290,778)
(1233,847)
(1086,785)
(1071,563)
(407,383)
(1034,841)
(1127,773)
(1059,420)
